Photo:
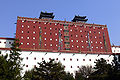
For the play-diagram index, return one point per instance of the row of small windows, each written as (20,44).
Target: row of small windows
(73,40)
(52,39)
(65,24)
(50,33)
(40,27)
(58,59)
(62,39)
(71,65)
(87,36)
(61,29)
(88,47)
(28,32)
(86,41)
(71,46)
(56,34)
(116,50)
(28,26)
(86,31)
(64,66)
(63,59)
(44,33)
(27,37)
(6,42)
(27,43)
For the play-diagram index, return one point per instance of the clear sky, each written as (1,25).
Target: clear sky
(97,11)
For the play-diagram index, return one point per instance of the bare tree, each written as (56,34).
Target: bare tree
(84,72)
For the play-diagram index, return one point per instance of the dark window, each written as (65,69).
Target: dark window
(9,42)
(83,59)
(56,58)
(0,41)
(42,58)
(33,26)
(27,58)
(35,58)
(5,42)
(64,59)
(49,58)
(45,27)
(71,73)
(90,66)
(28,32)
(71,66)
(50,33)
(77,66)
(26,65)
(89,59)
(71,35)
(81,36)
(55,28)
(77,59)
(70,59)
(39,22)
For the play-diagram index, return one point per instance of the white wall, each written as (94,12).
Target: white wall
(67,62)
(116,49)
(4,43)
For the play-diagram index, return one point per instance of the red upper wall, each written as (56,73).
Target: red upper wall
(44,34)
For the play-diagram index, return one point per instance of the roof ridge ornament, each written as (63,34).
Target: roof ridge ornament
(79,19)
(46,15)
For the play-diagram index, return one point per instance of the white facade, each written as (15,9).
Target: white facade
(71,61)
(5,43)
(116,49)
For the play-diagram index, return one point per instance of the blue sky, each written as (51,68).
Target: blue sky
(97,11)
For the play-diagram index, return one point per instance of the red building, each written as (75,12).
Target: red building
(50,35)
(74,43)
